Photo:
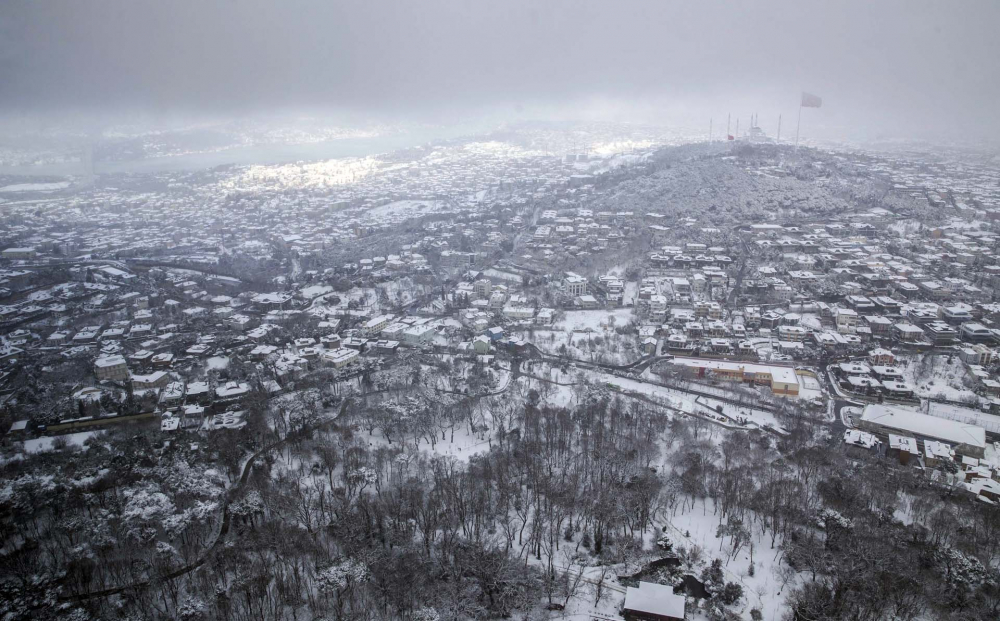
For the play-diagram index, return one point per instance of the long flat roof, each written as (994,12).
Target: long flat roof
(778,374)
(924,425)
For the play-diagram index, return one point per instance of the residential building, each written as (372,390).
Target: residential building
(111,368)
(574,284)
(847,321)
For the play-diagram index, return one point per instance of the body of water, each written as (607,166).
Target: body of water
(245,156)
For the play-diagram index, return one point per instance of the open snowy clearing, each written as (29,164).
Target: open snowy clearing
(766,589)
(943,377)
(217,362)
(606,347)
(313,291)
(42,445)
(559,390)
(593,320)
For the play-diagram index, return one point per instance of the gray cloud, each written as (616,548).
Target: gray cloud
(890,62)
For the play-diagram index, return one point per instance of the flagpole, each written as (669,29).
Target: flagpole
(797,124)
(710,130)
(778,141)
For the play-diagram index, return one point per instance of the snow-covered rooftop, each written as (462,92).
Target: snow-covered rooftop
(924,425)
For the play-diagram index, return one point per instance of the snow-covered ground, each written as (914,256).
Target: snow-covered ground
(764,590)
(594,320)
(313,291)
(809,387)
(462,446)
(217,362)
(631,292)
(563,385)
(607,347)
(41,445)
(589,335)
(689,404)
(937,376)
(553,395)
(693,524)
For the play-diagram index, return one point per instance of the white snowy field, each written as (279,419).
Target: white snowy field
(809,387)
(561,388)
(44,444)
(688,404)
(461,445)
(766,589)
(217,362)
(607,347)
(313,291)
(936,376)
(459,442)
(594,320)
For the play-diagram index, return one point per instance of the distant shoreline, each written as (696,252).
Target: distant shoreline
(237,156)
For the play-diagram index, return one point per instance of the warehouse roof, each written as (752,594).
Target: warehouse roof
(923,425)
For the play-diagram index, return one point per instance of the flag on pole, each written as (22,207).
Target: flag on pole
(731,137)
(811,101)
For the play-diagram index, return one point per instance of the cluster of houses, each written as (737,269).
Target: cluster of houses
(167,292)
(947,448)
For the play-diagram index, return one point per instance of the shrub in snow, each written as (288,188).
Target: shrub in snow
(251,504)
(712,576)
(731,593)
(166,552)
(341,575)
(828,519)
(427,613)
(361,478)
(145,505)
(192,609)
(963,574)
(716,611)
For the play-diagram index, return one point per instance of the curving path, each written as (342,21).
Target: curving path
(231,494)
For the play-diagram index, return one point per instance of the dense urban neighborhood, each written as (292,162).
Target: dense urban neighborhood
(542,373)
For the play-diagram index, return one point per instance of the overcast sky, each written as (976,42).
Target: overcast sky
(894,62)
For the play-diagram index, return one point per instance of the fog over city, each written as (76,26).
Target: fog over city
(499,310)
(895,67)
